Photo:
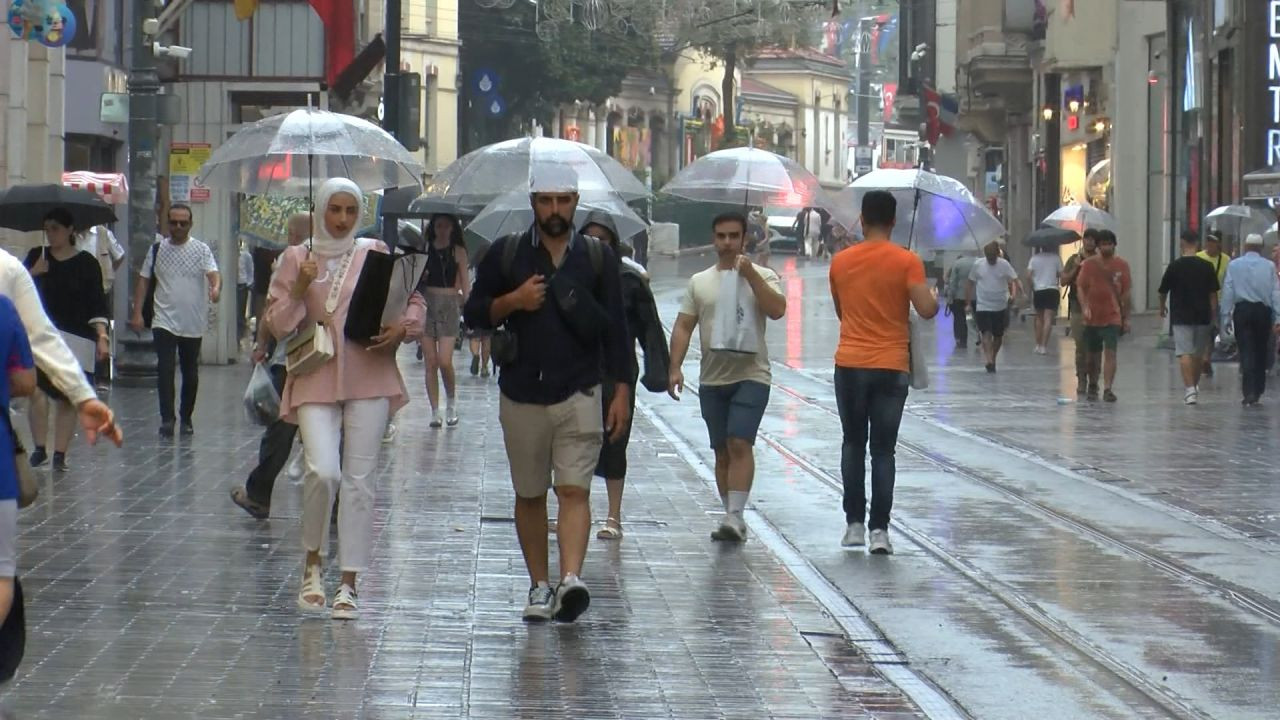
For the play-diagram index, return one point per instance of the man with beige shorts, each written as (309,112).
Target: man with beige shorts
(558,294)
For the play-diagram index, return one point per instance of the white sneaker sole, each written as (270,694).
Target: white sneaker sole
(538,613)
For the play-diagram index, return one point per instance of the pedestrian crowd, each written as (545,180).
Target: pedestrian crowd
(560,311)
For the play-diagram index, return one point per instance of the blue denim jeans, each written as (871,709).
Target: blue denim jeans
(870,404)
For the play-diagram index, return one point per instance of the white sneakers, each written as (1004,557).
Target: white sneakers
(880,543)
(451,416)
(563,604)
(1192,396)
(732,529)
(855,535)
(572,599)
(542,604)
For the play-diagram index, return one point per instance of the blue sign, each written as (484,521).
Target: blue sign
(494,105)
(486,81)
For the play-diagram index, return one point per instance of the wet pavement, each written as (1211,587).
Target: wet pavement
(1067,550)
(1054,560)
(149,595)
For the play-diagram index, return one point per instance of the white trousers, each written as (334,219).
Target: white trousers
(358,425)
(815,246)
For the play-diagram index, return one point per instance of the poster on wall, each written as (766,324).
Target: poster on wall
(185,160)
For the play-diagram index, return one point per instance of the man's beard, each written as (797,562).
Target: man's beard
(554,226)
(991,259)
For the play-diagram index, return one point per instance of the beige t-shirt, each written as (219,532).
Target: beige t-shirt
(725,368)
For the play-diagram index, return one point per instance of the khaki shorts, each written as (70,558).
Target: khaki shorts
(552,445)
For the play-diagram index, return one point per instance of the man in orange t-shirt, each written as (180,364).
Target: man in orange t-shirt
(873,285)
(1104,283)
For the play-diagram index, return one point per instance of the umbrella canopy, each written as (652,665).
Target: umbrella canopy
(1050,237)
(512,213)
(289,154)
(482,176)
(425,206)
(934,211)
(749,176)
(1240,220)
(23,207)
(1080,218)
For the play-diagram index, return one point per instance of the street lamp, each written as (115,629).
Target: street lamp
(1047,113)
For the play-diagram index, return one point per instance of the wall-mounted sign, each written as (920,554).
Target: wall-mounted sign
(1273,82)
(185,160)
(47,22)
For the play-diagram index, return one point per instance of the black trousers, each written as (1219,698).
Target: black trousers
(870,403)
(1253,336)
(960,322)
(187,351)
(273,451)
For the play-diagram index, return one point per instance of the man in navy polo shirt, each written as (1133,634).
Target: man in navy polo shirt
(559,295)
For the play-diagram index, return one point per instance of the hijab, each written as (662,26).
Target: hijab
(322,243)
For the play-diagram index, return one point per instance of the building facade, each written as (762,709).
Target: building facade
(33,124)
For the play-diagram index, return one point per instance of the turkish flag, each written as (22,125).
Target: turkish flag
(339,18)
(887,95)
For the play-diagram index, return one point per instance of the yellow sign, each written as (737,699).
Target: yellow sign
(186,158)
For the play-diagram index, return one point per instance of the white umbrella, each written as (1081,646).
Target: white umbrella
(748,176)
(288,154)
(1080,218)
(1241,219)
(934,211)
(482,176)
(512,213)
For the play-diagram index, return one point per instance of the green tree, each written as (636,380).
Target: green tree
(538,75)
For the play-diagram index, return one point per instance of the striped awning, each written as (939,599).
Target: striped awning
(111,187)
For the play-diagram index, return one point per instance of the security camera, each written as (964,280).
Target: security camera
(174,51)
(151,26)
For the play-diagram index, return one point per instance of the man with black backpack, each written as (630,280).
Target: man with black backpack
(557,294)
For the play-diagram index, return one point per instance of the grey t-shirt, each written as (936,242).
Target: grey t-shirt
(992,283)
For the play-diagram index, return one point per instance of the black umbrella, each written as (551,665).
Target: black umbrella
(23,207)
(1050,237)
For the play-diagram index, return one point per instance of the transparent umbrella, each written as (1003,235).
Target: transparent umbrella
(749,176)
(512,213)
(290,154)
(1239,220)
(482,176)
(934,211)
(1080,218)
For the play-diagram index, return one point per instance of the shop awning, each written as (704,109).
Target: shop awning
(111,187)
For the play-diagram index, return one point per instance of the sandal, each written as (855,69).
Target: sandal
(312,586)
(344,604)
(240,497)
(611,530)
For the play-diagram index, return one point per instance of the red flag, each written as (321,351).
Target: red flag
(339,18)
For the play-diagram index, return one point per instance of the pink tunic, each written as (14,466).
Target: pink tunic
(354,373)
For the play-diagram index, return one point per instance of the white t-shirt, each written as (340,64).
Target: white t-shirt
(182,293)
(725,368)
(101,243)
(992,283)
(1045,269)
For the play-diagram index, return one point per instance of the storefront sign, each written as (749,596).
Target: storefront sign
(1273,82)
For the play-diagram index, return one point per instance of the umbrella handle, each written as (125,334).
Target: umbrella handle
(915,207)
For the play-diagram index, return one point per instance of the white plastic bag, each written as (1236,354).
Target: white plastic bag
(916,348)
(261,401)
(735,325)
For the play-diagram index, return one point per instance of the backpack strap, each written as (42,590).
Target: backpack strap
(510,244)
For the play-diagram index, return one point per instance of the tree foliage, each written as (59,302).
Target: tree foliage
(538,75)
(733,30)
